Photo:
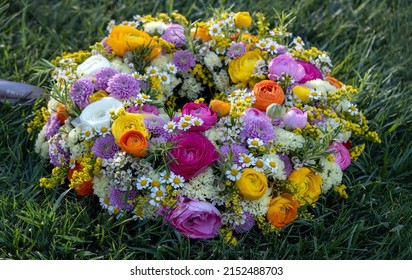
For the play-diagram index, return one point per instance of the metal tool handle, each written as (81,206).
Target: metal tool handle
(16,92)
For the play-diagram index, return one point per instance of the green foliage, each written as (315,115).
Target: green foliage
(369,41)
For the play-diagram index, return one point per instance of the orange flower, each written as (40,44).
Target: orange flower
(124,38)
(201,33)
(221,108)
(62,114)
(267,92)
(282,210)
(133,141)
(333,81)
(86,188)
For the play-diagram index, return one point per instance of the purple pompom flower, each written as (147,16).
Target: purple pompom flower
(124,200)
(236,50)
(105,147)
(123,86)
(58,154)
(102,77)
(81,90)
(236,150)
(183,60)
(288,164)
(257,125)
(154,124)
(247,225)
(52,126)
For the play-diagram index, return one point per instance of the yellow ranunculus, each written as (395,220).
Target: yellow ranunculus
(252,184)
(241,68)
(126,122)
(302,92)
(308,183)
(243,19)
(97,96)
(124,38)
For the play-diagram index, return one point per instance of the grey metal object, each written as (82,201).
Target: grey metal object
(16,92)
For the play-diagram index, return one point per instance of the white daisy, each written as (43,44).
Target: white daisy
(176,181)
(143,183)
(234,173)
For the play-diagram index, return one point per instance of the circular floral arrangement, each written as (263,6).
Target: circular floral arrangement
(214,126)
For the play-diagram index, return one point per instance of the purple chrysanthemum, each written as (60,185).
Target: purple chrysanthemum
(154,124)
(123,86)
(105,147)
(157,141)
(174,33)
(183,60)
(58,154)
(236,151)
(257,128)
(236,50)
(288,164)
(81,90)
(102,77)
(52,126)
(249,223)
(124,200)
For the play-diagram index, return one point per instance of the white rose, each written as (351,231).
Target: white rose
(154,27)
(97,114)
(92,65)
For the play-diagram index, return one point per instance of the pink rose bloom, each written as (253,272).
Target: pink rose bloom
(285,64)
(341,154)
(194,218)
(294,118)
(193,153)
(145,109)
(201,111)
(311,71)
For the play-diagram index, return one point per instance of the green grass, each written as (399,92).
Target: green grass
(369,43)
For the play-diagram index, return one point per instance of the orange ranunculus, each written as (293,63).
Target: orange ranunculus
(134,142)
(308,182)
(267,92)
(62,114)
(221,108)
(333,81)
(86,188)
(282,210)
(124,38)
(201,33)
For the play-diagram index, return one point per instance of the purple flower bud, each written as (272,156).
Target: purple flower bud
(294,118)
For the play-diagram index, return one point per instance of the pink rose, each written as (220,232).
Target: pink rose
(192,154)
(194,218)
(201,111)
(311,71)
(285,64)
(294,118)
(341,154)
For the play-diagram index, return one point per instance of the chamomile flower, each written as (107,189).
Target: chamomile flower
(104,131)
(254,143)
(157,194)
(197,121)
(142,98)
(259,165)
(165,78)
(233,174)
(88,133)
(152,71)
(185,122)
(171,68)
(353,110)
(164,177)
(246,160)
(298,42)
(143,183)
(170,126)
(272,47)
(315,95)
(215,30)
(176,181)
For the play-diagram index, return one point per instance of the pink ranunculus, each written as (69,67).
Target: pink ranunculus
(145,109)
(295,118)
(311,71)
(341,154)
(285,64)
(192,154)
(201,111)
(194,218)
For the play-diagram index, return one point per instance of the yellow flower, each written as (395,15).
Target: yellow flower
(124,38)
(97,96)
(243,20)
(126,122)
(308,184)
(302,92)
(241,68)
(252,184)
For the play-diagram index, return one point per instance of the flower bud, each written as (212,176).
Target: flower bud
(274,111)
(295,118)
(243,20)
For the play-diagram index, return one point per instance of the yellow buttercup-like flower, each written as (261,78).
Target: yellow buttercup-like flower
(97,96)
(252,184)
(308,184)
(124,38)
(126,122)
(241,68)
(243,20)
(302,92)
